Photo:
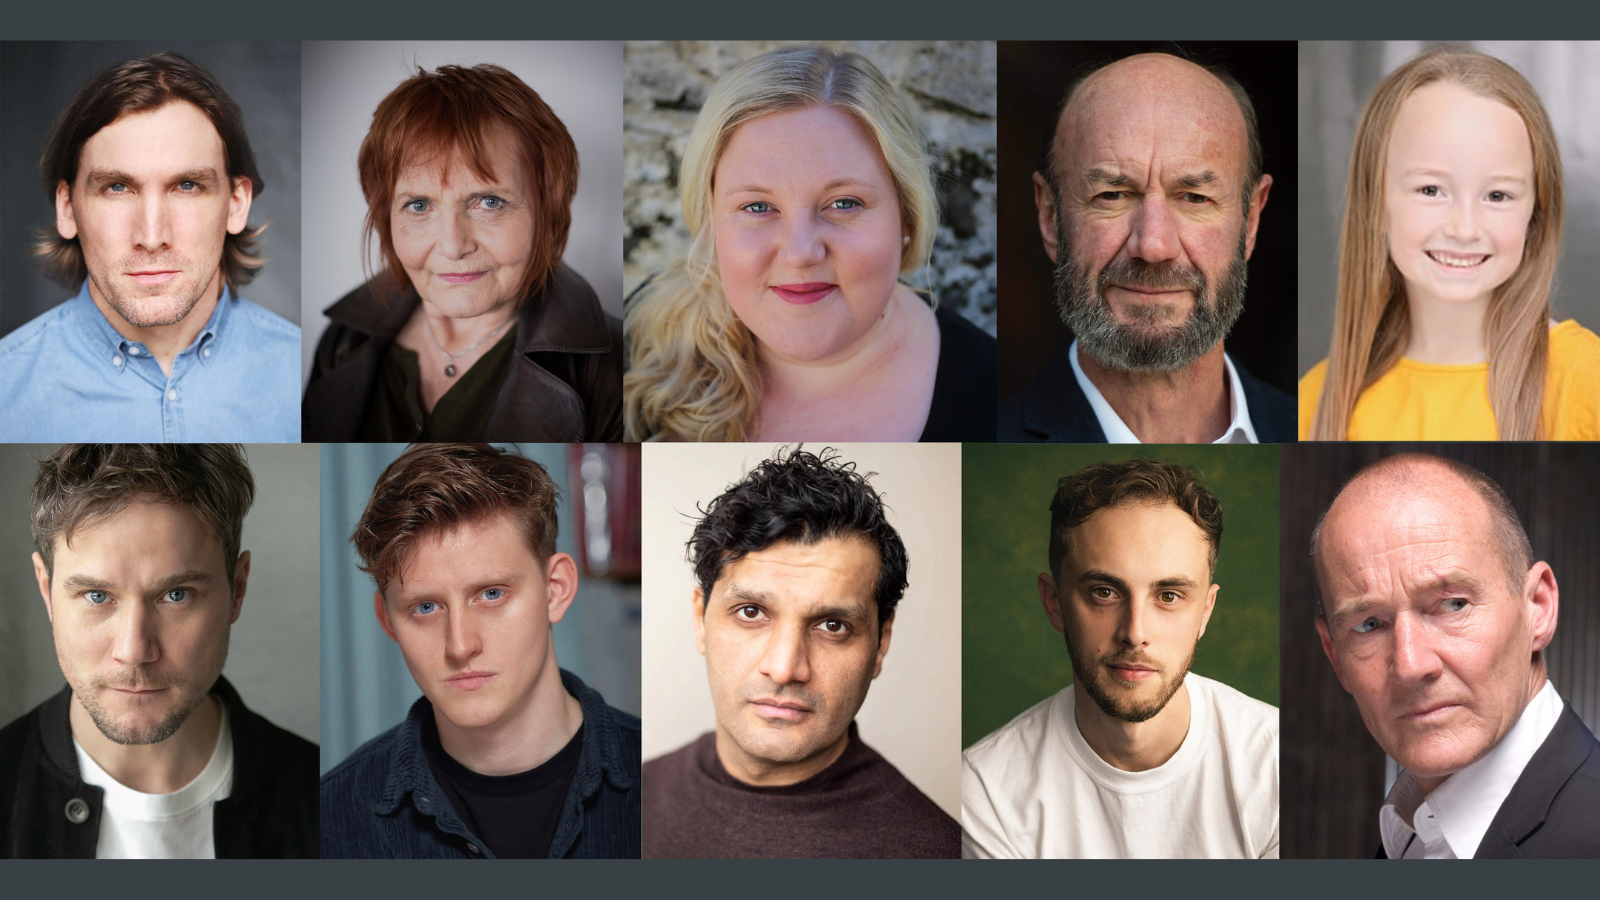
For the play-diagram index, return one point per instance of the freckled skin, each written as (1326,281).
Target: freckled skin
(1423,626)
(1152,119)
(797,623)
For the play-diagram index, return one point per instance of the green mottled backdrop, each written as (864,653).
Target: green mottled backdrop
(1010,656)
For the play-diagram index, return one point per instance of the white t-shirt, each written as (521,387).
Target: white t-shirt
(1035,788)
(136,825)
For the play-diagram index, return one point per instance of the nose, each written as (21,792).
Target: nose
(462,639)
(459,237)
(153,229)
(136,643)
(787,657)
(1415,658)
(1154,234)
(1463,223)
(1131,631)
(803,242)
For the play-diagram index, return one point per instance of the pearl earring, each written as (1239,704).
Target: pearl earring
(906,240)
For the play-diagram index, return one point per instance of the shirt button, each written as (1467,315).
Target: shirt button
(77,811)
(206,353)
(172,394)
(133,351)
(472,847)
(116,359)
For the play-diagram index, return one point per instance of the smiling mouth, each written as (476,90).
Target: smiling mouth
(1457,260)
(461,277)
(801,294)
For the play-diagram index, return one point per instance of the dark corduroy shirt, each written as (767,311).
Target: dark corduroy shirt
(383,802)
(860,807)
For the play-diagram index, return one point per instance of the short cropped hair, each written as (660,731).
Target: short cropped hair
(436,487)
(432,116)
(139,85)
(803,498)
(1509,537)
(78,485)
(1135,481)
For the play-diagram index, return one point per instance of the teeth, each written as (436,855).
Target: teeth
(1457,261)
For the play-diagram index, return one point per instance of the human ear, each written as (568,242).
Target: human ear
(561,584)
(1258,199)
(1329,651)
(241,574)
(699,609)
(1211,604)
(381,610)
(66,222)
(42,575)
(1539,591)
(1044,201)
(883,645)
(239,204)
(1052,606)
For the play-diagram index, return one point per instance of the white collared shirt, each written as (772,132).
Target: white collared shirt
(1239,430)
(1450,822)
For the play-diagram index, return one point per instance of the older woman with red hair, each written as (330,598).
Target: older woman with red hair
(473,329)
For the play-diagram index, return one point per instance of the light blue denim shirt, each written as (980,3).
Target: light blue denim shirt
(69,376)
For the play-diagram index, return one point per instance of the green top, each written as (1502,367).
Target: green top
(462,414)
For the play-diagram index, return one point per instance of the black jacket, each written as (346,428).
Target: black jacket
(565,382)
(382,802)
(1053,409)
(271,812)
(1553,811)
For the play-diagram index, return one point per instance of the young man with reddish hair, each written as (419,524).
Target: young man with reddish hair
(505,755)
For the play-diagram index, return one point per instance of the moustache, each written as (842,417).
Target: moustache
(1165,276)
(136,681)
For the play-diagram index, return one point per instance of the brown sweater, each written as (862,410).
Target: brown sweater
(858,808)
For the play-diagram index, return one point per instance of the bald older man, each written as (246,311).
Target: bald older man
(1148,203)
(1435,616)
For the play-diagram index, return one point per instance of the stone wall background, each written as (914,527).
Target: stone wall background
(951,86)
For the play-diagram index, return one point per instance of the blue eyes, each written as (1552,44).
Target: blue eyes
(416,206)
(97,597)
(757,207)
(1455,604)
(489,203)
(492,203)
(1373,623)
(429,607)
(1368,624)
(425,607)
(843,204)
(493,594)
(175,595)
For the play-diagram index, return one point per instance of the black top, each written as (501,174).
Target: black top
(516,815)
(1052,409)
(47,811)
(964,387)
(461,414)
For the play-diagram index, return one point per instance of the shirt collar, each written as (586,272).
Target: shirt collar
(1239,430)
(111,346)
(1451,821)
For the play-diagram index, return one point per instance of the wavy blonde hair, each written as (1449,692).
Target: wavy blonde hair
(1372,321)
(692,370)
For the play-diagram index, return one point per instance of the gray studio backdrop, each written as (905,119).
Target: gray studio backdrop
(366,688)
(344,82)
(950,86)
(1336,80)
(272,653)
(38,80)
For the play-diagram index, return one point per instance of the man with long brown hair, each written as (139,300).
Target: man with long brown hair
(151,175)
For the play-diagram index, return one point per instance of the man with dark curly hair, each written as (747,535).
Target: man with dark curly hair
(797,574)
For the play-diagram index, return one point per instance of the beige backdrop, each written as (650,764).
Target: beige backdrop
(913,711)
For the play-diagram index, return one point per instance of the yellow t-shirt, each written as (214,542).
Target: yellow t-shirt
(1416,401)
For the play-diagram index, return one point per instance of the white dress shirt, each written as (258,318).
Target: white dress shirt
(1239,430)
(1450,822)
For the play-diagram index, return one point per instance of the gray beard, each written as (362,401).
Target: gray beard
(1144,344)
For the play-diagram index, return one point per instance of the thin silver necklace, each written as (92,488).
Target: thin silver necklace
(450,368)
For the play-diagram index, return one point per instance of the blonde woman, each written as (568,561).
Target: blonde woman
(1452,228)
(808,193)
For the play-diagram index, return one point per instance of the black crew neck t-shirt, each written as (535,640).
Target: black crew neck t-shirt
(514,815)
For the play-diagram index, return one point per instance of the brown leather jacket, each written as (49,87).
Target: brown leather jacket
(565,382)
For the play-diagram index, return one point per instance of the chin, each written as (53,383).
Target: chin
(470,713)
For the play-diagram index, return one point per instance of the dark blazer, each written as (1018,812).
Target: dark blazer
(565,382)
(382,802)
(1553,811)
(271,812)
(1053,409)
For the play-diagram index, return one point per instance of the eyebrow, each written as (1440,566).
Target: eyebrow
(1198,180)
(1171,581)
(98,178)
(1455,581)
(832,185)
(1440,173)
(1103,176)
(77,583)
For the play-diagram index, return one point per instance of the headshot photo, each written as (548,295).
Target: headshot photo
(151,280)
(1441,635)
(147,711)
(461,279)
(1439,299)
(1120,658)
(778,578)
(480,613)
(810,240)
(1144,272)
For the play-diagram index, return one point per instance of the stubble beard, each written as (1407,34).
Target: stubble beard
(1124,707)
(154,307)
(1145,344)
(138,679)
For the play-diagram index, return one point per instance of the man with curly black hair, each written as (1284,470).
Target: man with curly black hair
(797,574)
